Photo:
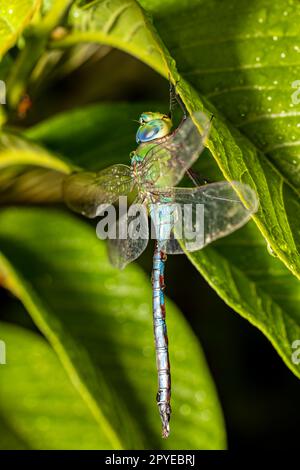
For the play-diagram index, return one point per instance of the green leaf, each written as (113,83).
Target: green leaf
(94,136)
(9,439)
(99,322)
(256,285)
(245,58)
(117,23)
(15,150)
(33,53)
(239,267)
(238,157)
(40,407)
(28,172)
(14,17)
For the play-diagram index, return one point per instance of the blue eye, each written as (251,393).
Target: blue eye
(148,131)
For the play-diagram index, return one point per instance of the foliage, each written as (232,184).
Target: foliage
(233,59)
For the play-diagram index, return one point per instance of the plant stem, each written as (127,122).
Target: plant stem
(36,43)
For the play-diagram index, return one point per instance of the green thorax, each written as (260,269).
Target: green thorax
(153,171)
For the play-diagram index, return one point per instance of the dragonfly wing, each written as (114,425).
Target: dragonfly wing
(84,191)
(132,235)
(167,161)
(198,216)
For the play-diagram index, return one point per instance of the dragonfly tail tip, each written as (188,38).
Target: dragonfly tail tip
(166,431)
(165,414)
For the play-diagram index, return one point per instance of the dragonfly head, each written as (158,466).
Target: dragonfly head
(153,126)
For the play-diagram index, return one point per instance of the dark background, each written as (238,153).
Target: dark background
(258,393)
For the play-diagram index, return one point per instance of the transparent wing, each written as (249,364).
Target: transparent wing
(167,161)
(188,219)
(131,236)
(84,191)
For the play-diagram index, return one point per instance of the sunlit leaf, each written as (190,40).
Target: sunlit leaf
(99,322)
(40,407)
(28,172)
(14,17)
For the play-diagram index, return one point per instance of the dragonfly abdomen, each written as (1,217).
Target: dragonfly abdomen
(161,340)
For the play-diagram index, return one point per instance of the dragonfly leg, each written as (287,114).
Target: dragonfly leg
(175,99)
(161,340)
(196,178)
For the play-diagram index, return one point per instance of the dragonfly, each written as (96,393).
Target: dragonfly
(162,158)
